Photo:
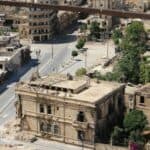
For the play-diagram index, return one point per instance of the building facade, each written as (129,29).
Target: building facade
(41,22)
(142,100)
(70,110)
(138,5)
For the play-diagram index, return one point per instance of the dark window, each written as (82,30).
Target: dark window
(142,99)
(49,110)
(1,66)
(81,117)
(49,127)
(43,126)
(81,135)
(56,129)
(41,108)
(57,108)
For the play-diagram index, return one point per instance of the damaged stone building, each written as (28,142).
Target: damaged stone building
(138,97)
(72,110)
(41,22)
(142,100)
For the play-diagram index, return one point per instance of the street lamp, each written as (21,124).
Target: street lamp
(85,59)
(107,49)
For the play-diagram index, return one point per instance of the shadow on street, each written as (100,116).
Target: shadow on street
(16,75)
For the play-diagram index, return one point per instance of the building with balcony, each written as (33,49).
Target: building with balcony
(68,109)
(41,22)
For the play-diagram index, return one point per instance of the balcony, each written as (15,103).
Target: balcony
(81,125)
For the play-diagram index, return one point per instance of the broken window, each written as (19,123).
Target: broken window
(41,108)
(81,135)
(56,129)
(81,116)
(57,108)
(43,127)
(49,110)
(49,127)
(142,100)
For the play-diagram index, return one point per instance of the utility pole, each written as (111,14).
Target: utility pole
(107,49)
(38,52)
(52,48)
(85,61)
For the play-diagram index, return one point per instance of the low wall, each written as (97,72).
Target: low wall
(108,147)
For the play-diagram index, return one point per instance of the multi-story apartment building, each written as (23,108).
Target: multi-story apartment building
(41,22)
(72,110)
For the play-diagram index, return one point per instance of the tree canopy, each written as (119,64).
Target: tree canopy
(117,34)
(81,72)
(74,53)
(135,120)
(95,30)
(132,45)
(80,43)
(133,125)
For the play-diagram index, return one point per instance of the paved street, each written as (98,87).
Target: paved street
(41,144)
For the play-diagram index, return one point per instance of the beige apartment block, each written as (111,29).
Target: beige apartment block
(72,110)
(41,22)
(142,100)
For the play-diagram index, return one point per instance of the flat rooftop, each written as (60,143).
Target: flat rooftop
(82,89)
(144,89)
(131,89)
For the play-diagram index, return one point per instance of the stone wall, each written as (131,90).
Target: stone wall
(109,147)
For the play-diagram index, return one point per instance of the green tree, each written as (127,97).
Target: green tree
(135,37)
(80,43)
(129,66)
(117,34)
(95,30)
(144,71)
(74,54)
(81,72)
(132,45)
(117,136)
(136,137)
(135,120)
